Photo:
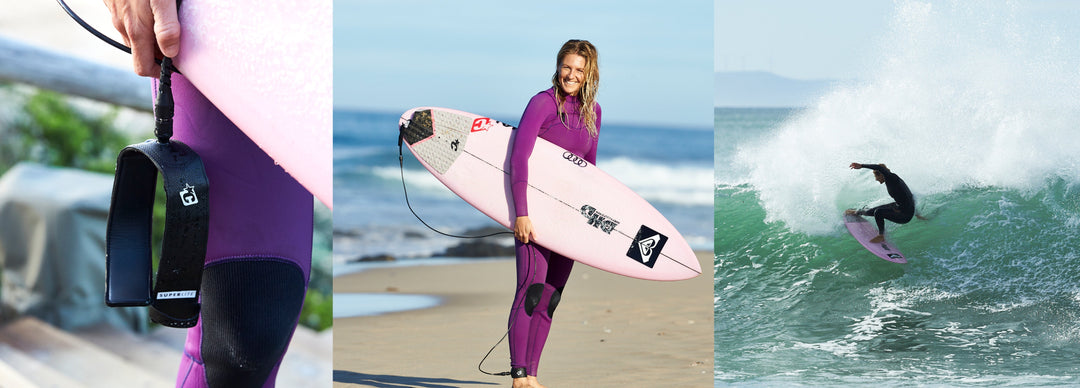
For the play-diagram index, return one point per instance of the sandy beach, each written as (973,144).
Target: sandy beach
(609,330)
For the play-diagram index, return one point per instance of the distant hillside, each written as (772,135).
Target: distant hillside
(763,89)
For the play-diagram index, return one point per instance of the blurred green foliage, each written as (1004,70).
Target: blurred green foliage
(49,130)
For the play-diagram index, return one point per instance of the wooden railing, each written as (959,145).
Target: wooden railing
(23,63)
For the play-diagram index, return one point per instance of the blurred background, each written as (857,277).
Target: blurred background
(68,103)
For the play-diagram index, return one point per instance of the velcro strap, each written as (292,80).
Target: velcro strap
(175,298)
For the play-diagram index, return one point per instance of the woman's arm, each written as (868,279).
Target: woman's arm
(591,155)
(540,106)
(876,167)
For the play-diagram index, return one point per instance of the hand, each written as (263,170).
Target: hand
(523,229)
(855,166)
(150,28)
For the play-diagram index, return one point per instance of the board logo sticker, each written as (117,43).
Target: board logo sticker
(187,195)
(176,294)
(895,256)
(646,246)
(481,124)
(598,220)
(579,161)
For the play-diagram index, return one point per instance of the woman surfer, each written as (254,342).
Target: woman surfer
(567,115)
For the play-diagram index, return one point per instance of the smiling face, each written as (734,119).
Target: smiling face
(572,74)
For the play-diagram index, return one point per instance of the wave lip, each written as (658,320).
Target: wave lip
(995,104)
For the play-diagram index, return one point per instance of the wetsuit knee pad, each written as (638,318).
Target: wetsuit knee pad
(532,297)
(556,296)
(249,311)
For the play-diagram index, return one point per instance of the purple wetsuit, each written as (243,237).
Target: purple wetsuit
(539,269)
(258,257)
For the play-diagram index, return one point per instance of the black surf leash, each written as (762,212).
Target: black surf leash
(406,131)
(174,297)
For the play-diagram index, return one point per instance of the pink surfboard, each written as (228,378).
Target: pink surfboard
(577,210)
(267,65)
(864,230)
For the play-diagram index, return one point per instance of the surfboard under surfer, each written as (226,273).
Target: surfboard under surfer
(899,212)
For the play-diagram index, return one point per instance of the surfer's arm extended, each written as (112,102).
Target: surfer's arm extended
(540,106)
(876,167)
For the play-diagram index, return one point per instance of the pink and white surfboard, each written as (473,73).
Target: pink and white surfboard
(267,65)
(863,231)
(576,209)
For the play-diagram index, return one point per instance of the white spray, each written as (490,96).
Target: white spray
(962,94)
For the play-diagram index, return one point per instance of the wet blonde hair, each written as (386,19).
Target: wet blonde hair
(587,93)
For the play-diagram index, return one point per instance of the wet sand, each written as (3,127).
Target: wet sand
(609,330)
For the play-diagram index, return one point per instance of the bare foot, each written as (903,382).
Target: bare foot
(533,383)
(849,212)
(878,239)
(521,382)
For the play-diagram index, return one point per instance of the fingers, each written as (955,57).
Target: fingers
(524,235)
(142,43)
(166,26)
(523,230)
(119,12)
(150,28)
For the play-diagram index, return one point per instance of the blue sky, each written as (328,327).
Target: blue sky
(833,39)
(489,57)
(797,39)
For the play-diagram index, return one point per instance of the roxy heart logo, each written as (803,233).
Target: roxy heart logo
(647,246)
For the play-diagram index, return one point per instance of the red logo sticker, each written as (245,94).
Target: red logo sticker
(481,124)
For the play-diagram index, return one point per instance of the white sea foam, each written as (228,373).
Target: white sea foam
(679,185)
(675,184)
(961,94)
(414,179)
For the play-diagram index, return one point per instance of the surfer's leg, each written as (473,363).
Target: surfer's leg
(879,217)
(258,256)
(889,212)
(532,268)
(558,272)
(880,213)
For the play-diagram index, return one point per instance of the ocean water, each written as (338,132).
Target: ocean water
(670,167)
(977,108)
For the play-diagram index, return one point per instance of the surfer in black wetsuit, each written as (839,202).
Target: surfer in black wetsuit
(899,212)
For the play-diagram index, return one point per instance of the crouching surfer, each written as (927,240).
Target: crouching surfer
(901,211)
